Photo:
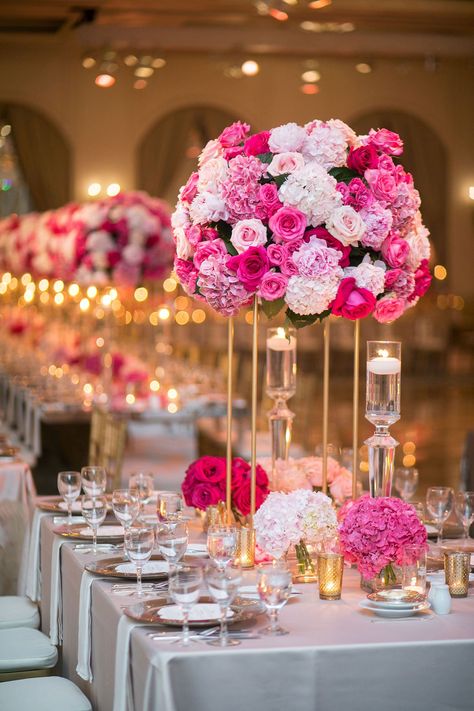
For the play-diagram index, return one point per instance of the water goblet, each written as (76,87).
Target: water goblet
(138,545)
(406,482)
(143,484)
(223,586)
(464,504)
(172,542)
(94,511)
(169,507)
(94,480)
(126,506)
(69,486)
(184,587)
(222,544)
(439,502)
(274,589)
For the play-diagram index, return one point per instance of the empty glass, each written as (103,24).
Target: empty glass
(439,502)
(464,503)
(169,507)
(126,506)
(138,544)
(94,480)
(143,484)
(184,586)
(223,586)
(94,511)
(274,589)
(172,542)
(69,486)
(406,482)
(222,544)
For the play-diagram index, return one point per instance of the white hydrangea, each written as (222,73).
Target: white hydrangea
(289,137)
(368,276)
(417,238)
(180,216)
(207,207)
(326,144)
(212,174)
(312,191)
(307,296)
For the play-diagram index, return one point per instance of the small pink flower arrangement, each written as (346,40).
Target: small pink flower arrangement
(205,479)
(374,532)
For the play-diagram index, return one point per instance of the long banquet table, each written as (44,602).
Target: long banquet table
(336,656)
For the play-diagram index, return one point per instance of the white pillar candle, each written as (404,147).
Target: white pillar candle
(384,365)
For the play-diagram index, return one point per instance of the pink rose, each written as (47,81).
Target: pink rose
(276,254)
(285,163)
(359,196)
(189,191)
(204,495)
(388,309)
(241,498)
(186,273)
(257,144)
(206,249)
(193,235)
(351,301)
(250,267)
(209,233)
(386,141)
(346,225)
(322,233)
(288,266)
(248,233)
(268,194)
(230,153)
(395,250)
(273,286)
(287,224)
(383,185)
(359,159)
(400,281)
(241,473)
(233,134)
(422,280)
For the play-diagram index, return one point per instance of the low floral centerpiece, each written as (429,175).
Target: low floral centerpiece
(205,485)
(373,533)
(313,218)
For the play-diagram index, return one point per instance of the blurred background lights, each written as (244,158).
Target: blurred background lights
(309,89)
(91,291)
(440,272)
(113,189)
(250,68)
(104,81)
(363,67)
(94,189)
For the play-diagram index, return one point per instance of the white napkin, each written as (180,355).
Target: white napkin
(123,693)
(103,532)
(151,566)
(56,607)
(201,611)
(32,553)
(75,508)
(84,639)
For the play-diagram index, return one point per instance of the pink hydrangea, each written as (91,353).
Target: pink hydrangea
(241,191)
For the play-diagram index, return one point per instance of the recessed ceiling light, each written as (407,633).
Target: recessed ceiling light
(250,68)
(363,68)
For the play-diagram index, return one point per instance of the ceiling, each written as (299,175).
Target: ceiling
(378,27)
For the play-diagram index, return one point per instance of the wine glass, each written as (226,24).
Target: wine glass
(274,588)
(406,482)
(439,501)
(94,511)
(94,481)
(184,587)
(169,507)
(69,486)
(223,586)
(138,545)
(126,506)
(143,484)
(172,542)
(222,544)
(464,503)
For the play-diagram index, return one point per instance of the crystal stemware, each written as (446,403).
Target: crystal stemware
(94,511)
(138,545)
(222,544)
(143,484)
(406,482)
(184,586)
(94,480)
(274,589)
(172,542)
(464,504)
(223,586)
(169,507)
(439,502)
(126,506)
(69,486)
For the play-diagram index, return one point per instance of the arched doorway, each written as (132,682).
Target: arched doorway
(425,157)
(167,153)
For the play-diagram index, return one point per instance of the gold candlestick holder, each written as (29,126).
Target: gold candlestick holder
(330,571)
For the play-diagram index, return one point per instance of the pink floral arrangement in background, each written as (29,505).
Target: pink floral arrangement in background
(313,218)
(307,473)
(205,484)
(374,532)
(124,239)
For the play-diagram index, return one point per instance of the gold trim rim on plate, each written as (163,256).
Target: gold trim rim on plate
(74,531)
(107,565)
(146,611)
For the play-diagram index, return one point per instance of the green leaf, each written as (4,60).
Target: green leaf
(280,179)
(271,308)
(224,229)
(299,321)
(265,157)
(343,175)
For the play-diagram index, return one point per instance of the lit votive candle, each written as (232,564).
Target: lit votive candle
(456,569)
(384,365)
(330,570)
(281,340)
(246,547)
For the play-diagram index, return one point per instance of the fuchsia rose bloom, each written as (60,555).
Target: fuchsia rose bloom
(250,267)
(276,254)
(269,199)
(358,195)
(351,301)
(422,280)
(257,144)
(332,242)
(383,185)
(273,286)
(193,235)
(287,224)
(186,273)
(395,251)
(389,308)
(386,141)
(359,159)
(234,134)
(233,152)
(189,191)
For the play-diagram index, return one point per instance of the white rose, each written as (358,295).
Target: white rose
(212,149)
(248,233)
(212,174)
(184,248)
(285,163)
(133,254)
(289,137)
(346,225)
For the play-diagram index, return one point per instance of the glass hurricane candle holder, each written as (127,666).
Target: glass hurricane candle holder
(281,386)
(456,570)
(382,410)
(330,571)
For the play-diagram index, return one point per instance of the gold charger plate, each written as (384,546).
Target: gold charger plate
(52,503)
(396,598)
(75,531)
(107,568)
(148,611)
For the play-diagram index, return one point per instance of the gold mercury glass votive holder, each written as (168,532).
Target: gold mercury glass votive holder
(245,555)
(215,516)
(330,570)
(456,570)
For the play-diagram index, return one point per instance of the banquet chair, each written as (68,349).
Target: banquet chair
(25,652)
(42,694)
(17,611)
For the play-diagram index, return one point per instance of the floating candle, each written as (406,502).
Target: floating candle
(384,365)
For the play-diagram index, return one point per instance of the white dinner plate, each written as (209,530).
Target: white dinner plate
(390,612)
